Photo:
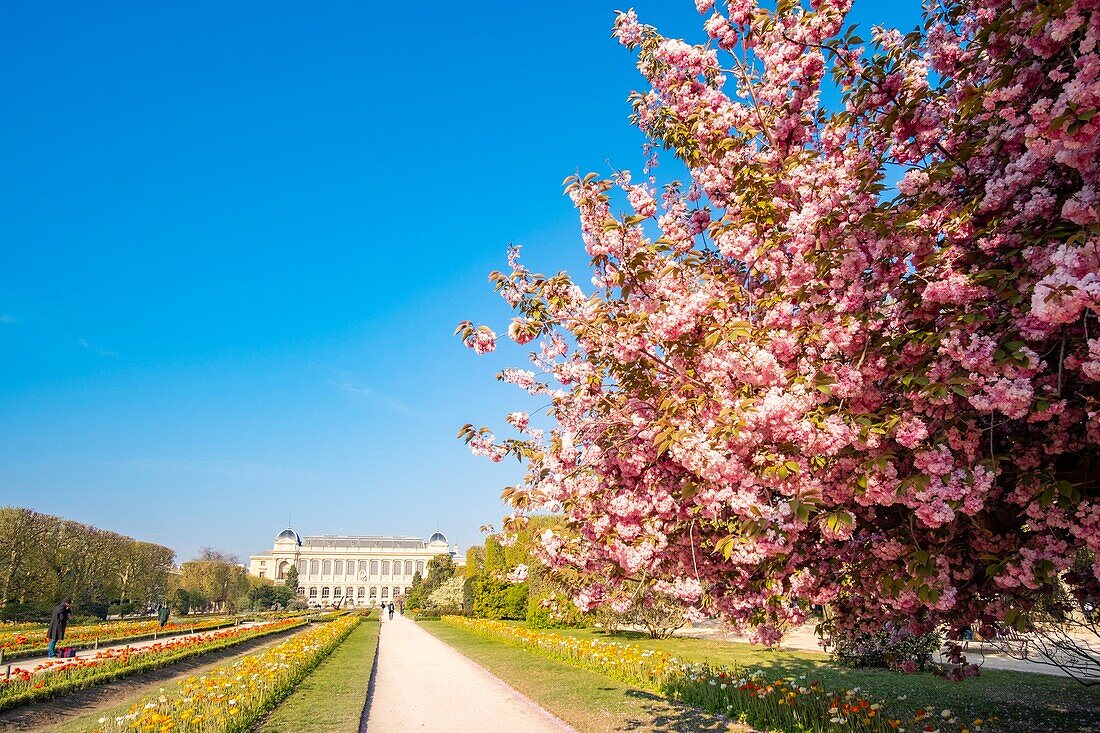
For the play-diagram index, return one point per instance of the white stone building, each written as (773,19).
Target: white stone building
(350,569)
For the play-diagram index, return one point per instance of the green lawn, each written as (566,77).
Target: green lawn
(1022,702)
(332,697)
(590,702)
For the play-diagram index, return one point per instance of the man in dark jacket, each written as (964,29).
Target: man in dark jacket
(59,620)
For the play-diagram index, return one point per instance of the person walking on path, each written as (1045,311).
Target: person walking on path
(59,620)
(162,615)
(391,610)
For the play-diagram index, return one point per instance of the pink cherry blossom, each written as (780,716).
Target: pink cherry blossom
(795,384)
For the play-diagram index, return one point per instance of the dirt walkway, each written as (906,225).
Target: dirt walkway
(44,715)
(422,684)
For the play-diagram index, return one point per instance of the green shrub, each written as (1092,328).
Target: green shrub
(558,612)
(515,601)
(469,591)
(36,611)
(489,600)
(893,647)
(89,609)
(121,609)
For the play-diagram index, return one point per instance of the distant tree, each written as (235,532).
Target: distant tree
(495,563)
(415,598)
(292,580)
(260,593)
(47,557)
(440,568)
(180,602)
(475,560)
(448,596)
(217,576)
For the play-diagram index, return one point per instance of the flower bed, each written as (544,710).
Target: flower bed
(786,704)
(59,676)
(32,642)
(232,696)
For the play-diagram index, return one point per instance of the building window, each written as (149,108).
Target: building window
(339,567)
(336,592)
(263,573)
(362,567)
(374,567)
(301,565)
(314,567)
(312,592)
(408,567)
(385,592)
(420,567)
(373,593)
(406,591)
(362,592)
(263,563)
(350,593)
(396,592)
(324,592)
(385,567)
(301,591)
(326,567)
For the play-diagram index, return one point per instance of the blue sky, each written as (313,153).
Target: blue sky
(236,239)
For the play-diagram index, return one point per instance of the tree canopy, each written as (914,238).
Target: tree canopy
(854,360)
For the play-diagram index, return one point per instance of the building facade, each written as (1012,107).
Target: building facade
(350,570)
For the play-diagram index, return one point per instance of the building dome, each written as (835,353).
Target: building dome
(437,537)
(289,534)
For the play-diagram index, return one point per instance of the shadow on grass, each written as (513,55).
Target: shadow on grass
(665,716)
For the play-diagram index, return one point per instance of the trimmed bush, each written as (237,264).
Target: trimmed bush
(894,647)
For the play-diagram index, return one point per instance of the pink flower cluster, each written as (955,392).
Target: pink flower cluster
(809,387)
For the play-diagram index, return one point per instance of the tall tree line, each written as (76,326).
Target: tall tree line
(46,558)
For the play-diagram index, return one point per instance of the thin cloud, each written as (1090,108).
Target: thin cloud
(95,349)
(237,470)
(349,387)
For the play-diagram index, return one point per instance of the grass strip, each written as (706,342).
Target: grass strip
(332,697)
(587,700)
(22,690)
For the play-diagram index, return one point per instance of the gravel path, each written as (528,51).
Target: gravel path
(422,684)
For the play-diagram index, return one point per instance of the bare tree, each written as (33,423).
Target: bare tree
(1062,631)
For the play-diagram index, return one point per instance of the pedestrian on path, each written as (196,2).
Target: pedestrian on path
(162,614)
(391,610)
(59,620)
